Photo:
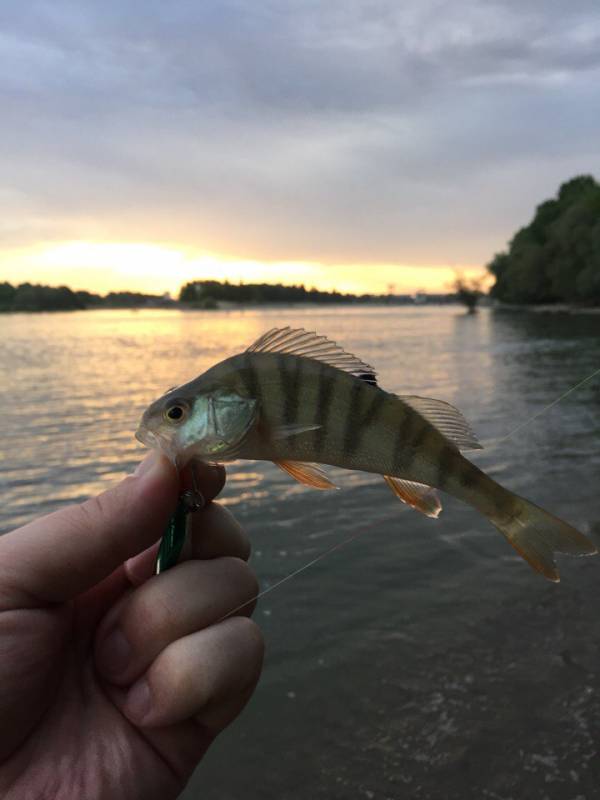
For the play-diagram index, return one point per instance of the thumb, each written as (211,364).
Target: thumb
(58,556)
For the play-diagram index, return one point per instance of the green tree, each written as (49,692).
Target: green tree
(35,297)
(199,293)
(557,256)
(7,296)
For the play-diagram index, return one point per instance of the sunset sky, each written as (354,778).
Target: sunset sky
(346,144)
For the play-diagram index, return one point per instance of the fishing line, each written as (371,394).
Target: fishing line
(549,406)
(314,561)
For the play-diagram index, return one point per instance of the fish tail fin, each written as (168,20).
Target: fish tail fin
(536,535)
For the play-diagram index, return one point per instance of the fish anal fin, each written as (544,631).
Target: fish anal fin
(300,342)
(447,419)
(417,495)
(308,474)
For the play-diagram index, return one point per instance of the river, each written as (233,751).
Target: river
(422,659)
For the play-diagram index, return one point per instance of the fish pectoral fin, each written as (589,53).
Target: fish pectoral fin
(417,495)
(283,431)
(309,474)
(448,420)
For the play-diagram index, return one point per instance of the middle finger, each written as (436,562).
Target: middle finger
(211,533)
(185,599)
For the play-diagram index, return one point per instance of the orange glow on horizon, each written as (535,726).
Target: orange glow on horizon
(146,267)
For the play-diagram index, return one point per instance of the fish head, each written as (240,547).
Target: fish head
(207,424)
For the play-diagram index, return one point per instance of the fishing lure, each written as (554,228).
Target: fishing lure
(173,539)
(299,400)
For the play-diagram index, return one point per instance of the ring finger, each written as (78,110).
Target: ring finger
(208,675)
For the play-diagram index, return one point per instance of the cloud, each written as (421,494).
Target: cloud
(422,132)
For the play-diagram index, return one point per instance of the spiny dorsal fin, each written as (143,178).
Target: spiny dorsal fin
(417,495)
(300,342)
(309,474)
(447,419)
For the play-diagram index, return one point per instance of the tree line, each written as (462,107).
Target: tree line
(556,258)
(37,297)
(206,294)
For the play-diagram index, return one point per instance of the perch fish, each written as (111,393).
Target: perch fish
(299,400)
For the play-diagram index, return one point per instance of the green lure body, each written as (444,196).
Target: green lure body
(173,539)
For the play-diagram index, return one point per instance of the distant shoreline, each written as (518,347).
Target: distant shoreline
(546,308)
(206,295)
(229,306)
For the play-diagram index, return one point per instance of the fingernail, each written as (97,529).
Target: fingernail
(115,654)
(146,465)
(139,701)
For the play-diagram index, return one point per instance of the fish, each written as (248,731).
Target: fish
(300,400)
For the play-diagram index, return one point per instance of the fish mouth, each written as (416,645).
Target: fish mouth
(146,437)
(156,442)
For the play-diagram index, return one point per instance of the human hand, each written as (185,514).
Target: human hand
(114,682)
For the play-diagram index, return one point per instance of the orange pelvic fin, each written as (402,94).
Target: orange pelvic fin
(417,495)
(309,474)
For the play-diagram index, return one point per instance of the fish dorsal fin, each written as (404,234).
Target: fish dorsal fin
(300,342)
(417,495)
(309,474)
(447,419)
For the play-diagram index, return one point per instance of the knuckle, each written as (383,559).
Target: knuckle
(101,506)
(239,573)
(246,547)
(149,610)
(172,677)
(228,517)
(253,639)
(224,521)
(98,511)
(94,514)
(231,521)
(90,512)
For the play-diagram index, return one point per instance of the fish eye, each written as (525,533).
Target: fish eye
(175,413)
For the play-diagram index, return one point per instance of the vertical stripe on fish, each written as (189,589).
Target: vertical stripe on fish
(352,407)
(371,404)
(290,370)
(326,394)
(250,379)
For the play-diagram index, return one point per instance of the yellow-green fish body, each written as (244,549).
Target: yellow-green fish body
(299,400)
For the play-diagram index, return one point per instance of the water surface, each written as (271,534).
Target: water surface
(422,660)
